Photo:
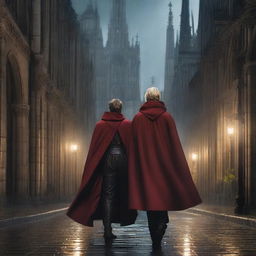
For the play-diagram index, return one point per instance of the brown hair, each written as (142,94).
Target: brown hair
(115,105)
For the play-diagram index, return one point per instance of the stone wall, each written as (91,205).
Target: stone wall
(45,84)
(217,114)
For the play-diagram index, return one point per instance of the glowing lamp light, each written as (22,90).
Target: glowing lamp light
(74,147)
(194,156)
(230,130)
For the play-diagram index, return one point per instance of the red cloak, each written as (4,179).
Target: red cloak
(159,176)
(86,206)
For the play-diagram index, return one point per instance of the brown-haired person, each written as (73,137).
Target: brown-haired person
(103,193)
(159,176)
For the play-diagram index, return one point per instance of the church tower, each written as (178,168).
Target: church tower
(118,29)
(90,22)
(123,61)
(169,57)
(117,65)
(186,61)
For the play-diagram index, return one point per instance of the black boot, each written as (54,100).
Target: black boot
(108,235)
(158,235)
(157,225)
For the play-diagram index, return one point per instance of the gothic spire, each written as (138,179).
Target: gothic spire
(118,29)
(170,36)
(118,14)
(169,54)
(185,29)
(170,15)
(90,4)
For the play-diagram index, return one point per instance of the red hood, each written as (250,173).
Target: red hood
(153,109)
(112,116)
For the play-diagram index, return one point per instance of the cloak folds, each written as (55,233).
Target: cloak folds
(159,176)
(86,206)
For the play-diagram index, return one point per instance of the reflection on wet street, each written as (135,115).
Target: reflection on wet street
(188,234)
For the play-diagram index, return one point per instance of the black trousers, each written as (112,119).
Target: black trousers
(113,166)
(157,223)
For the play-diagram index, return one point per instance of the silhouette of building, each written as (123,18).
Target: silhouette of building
(45,87)
(116,65)
(184,58)
(212,102)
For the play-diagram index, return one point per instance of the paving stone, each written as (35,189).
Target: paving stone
(188,234)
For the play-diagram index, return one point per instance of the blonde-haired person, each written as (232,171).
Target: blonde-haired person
(159,176)
(152,93)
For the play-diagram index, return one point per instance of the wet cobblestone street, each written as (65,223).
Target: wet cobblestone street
(188,234)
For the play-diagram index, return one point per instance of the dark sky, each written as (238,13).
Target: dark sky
(149,19)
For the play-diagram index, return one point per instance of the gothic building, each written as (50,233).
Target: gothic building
(45,85)
(181,61)
(213,102)
(116,65)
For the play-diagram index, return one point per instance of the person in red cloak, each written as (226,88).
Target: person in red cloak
(103,192)
(159,176)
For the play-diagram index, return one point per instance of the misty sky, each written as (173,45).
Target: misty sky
(148,18)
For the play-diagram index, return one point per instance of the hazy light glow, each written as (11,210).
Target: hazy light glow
(73,147)
(230,130)
(187,251)
(194,156)
(148,18)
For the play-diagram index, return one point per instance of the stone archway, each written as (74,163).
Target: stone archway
(16,133)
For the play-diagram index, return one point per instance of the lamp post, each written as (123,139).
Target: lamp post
(240,198)
(230,132)
(194,158)
(74,149)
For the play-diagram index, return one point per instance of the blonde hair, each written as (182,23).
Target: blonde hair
(152,93)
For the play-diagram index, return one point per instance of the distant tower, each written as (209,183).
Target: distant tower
(176,50)
(90,22)
(169,57)
(185,29)
(118,29)
(186,60)
(123,61)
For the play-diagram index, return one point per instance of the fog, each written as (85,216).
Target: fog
(148,19)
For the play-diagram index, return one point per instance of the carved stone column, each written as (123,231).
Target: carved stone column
(2,118)
(247,147)
(21,149)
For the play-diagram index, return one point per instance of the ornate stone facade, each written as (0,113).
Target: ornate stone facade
(215,107)
(45,84)
(116,65)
